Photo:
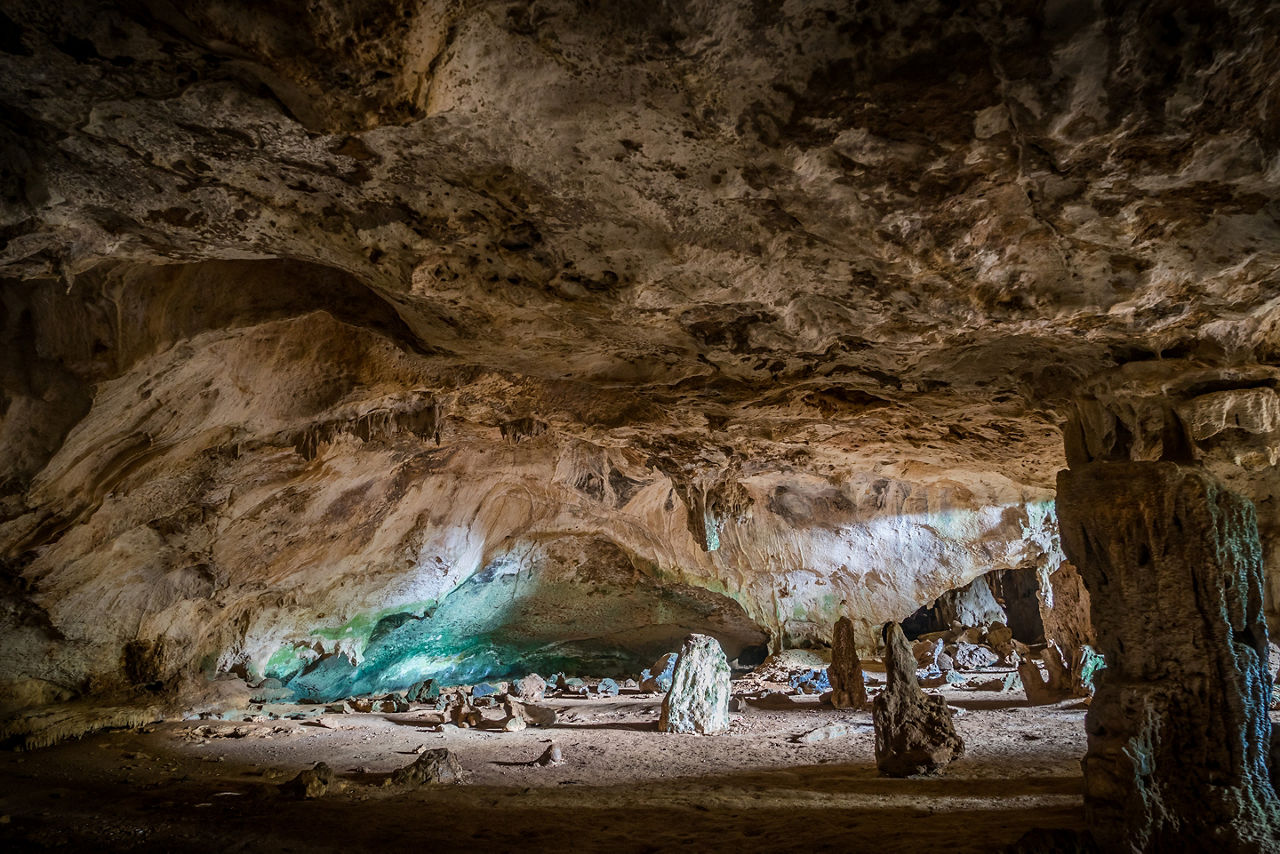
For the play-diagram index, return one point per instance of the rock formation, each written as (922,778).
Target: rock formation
(914,733)
(698,700)
(845,673)
(1069,626)
(1054,684)
(530,688)
(778,309)
(657,677)
(432,767)
(1179,737)
(310,783)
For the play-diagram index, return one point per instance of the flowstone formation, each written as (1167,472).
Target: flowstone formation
(914,733)
(848,691)
(1179,737)
(698,701)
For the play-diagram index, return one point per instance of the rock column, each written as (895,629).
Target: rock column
(699,697)
(1178,729)
(848,691)
(914,734)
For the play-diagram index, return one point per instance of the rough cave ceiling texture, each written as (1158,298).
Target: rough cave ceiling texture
(727,315)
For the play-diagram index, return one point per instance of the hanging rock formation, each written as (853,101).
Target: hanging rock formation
(699,697)
(845,673)
(914,733)
(1178,730)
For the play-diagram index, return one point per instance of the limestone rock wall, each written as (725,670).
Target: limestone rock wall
(314,312)
(256,496)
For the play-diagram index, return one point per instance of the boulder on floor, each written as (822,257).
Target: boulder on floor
(699,697)
(914,732)
(658,677)
(426,691)
(529,689)
(531,714)
(972,656)
(311,783)
(432,767)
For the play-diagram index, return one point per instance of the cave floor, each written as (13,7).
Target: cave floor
(623,786)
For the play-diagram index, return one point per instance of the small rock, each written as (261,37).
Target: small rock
(432,767)
(970,656)
(1007,682)
(553,755)
(828,732)
(426,691)
(310,784)
(607,688)
(658,677)
(812,682)
(392,703)
(529,689)
(575,686)
(1000,639)
(484,689)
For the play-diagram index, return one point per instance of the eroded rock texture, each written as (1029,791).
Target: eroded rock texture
(326,326)
(1225,419)
(699,697)
(1068,625)
(1179,737)
(914,733)
(848,690)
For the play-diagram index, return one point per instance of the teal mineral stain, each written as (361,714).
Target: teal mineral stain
(500,624)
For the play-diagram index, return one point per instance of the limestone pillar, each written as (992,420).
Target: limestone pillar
(848,691)
(914,733)
(1178,731)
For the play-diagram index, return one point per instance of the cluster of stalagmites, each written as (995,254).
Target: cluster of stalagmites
(913,730)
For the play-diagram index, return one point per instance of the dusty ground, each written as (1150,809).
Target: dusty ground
(623,787)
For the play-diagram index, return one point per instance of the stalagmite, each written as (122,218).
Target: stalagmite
(845,673)
(914,734)
(699,697)
(1055,685)
(1178,729)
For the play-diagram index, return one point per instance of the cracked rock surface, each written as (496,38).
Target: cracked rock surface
(315,314)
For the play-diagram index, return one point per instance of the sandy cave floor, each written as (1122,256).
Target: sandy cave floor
(623,787)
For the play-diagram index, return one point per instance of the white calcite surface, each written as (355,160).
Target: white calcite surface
(318,317)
